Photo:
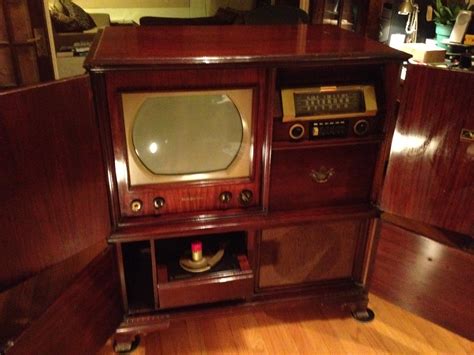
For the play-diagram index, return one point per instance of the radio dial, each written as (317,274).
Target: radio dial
(225,197)
(246,197)
(296,131)
(361,127)
(159,203)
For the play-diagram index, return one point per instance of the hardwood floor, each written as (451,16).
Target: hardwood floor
(303,328)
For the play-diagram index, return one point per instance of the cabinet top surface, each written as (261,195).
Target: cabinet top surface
(183,45)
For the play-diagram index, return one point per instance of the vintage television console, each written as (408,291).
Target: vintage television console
(244,164)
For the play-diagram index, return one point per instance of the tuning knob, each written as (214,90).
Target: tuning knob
(159,203)
(246,197)
(296,131)
(136,206)
(361,127)
(225,197)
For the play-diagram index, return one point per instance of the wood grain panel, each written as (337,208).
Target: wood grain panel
(53,191)
(3,25)
(431,172)
(425,277)
(82,318)
(7,71)
(292,183)
(21,305)
(19,20)
(308,253)
(234,44)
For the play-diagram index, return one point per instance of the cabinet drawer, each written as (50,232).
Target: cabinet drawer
(208,288)
(312,177)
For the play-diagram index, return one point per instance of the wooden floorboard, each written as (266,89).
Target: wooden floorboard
(303,328)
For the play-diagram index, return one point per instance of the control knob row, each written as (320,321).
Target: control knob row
(245,197)
(361,128)
(137,205)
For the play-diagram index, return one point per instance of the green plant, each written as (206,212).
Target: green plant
(446,13)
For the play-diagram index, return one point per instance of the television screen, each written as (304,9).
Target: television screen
(185,136)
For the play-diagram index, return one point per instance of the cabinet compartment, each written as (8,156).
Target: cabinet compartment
(230,279)
(304,254)
(321,176)
(138,276)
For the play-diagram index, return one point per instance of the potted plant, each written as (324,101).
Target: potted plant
(445,14)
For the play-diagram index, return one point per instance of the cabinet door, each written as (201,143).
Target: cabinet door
(52,182)
(430,175)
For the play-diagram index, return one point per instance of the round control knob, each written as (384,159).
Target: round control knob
(246,197)
(361,127)
(225,197)
(159,203)
(296,131)
(136,206)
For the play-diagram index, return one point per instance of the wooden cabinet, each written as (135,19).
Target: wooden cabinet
(297,219)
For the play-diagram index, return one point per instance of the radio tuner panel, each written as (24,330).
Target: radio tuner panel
(328,102)
(313,113)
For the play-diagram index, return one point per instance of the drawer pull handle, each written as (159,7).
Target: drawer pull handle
(322,175)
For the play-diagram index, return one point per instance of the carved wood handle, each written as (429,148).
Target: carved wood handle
(322,175)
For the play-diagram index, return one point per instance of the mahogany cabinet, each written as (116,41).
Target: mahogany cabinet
(301,218)
(284,206)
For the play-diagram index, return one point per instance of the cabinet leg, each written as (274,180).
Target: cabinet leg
(125,343)
(363,315)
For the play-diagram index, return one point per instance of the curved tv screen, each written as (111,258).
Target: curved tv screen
(187,134)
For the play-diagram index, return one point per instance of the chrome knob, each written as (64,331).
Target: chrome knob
(246,197)
(159,203)
(225,197)
(136,206)
(361,127)
(296,131)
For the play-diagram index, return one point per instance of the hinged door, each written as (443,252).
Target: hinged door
(52,182)
(430,175)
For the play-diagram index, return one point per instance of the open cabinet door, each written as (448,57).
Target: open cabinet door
(430,175)
(54,218)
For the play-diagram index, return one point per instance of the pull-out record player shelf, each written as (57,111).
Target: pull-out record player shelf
(176,289)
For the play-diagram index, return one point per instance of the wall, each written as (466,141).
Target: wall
(129,10)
